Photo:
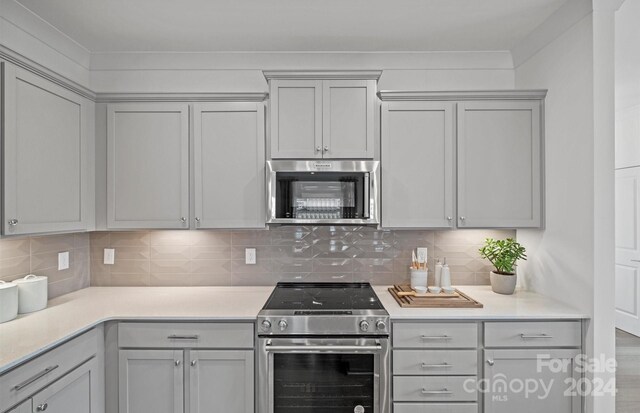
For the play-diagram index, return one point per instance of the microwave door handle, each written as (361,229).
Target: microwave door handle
(366,200)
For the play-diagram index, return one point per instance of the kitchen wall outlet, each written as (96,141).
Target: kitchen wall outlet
(109,256)
(63,260)
(250,256)
(422,254)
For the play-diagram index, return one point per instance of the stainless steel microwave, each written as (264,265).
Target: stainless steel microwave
(323,192)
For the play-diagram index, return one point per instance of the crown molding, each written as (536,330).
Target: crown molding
(181,97)
(405,95)
(25,63)
(322,74)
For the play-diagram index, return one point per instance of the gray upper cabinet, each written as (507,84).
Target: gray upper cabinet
(223,379)
(151,381)
(229,162)
(48,132)
(148,165)
(417,164)
(322,114)
(499,164)
(296,119)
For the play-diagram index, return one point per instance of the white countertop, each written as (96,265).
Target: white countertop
(522,305)
(71,314)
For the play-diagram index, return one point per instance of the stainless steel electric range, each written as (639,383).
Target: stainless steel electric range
(323,347)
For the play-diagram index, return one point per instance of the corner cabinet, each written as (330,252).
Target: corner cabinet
(462,159)
(148,165)
(229,164)
(47,156)
(316,115)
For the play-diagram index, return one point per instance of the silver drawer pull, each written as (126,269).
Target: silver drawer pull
(444,337)
(525,336)
(28,381)
(443,391)
(42,407)
(177,337)
(428,366)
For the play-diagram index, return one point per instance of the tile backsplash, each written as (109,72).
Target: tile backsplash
(341,254)
(39,255)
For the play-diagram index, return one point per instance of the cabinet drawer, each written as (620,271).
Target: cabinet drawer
(190,335)
(533,334)
(21,382)
(434,388)
(435,407)
(435,362)
(435,335)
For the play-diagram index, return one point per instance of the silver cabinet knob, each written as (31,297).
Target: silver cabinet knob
(177,363)
(491,362)
(449,219)
(283,325)
(42,407)
(326,149)
(318,148)
(197,220)
(13,222)
(183,220)
(193,362)
(462,219)
(364,325)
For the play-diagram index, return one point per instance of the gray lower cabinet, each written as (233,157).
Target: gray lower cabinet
(221,380)
(499,164)
(148,165)
(151,381)
(229,162)
(47,155)
(531,381)
(75,392)
(418,164)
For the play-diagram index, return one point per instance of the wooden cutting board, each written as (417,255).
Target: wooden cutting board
(457,299)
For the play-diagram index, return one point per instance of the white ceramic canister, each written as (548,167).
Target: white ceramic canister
(419,278)
(32,293)
(8,301)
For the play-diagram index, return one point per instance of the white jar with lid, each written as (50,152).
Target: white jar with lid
(8,301)
(32,293)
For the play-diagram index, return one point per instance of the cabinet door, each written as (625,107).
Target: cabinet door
(76,392)
(46,131)
(24,407)
(229,162)
(551,371)
(417,164)
(148,165)
(347,118)
(151,381)
(296,119)
(222,380)
(499,164)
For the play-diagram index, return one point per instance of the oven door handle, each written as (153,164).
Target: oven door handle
(272,348)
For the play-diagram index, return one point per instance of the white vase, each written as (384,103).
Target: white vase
(502,284)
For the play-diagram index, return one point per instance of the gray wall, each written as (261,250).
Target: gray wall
(284,253)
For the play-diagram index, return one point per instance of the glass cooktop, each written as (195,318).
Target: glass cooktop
(337,297)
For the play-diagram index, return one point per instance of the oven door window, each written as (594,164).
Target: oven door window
(319,383)
(325,195)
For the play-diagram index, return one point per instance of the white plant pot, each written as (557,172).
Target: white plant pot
(503,284)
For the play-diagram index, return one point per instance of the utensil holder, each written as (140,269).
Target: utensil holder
(419,278)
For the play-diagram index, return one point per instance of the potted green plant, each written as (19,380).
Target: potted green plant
(503,254)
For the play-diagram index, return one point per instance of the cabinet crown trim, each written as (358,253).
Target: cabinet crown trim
(410,95)
(323,74)
(181,97)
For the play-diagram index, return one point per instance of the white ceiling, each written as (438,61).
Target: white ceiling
(294,25)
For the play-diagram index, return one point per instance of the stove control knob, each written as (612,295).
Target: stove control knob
(266,325)
(381,325)
(364,325)
(282,324)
